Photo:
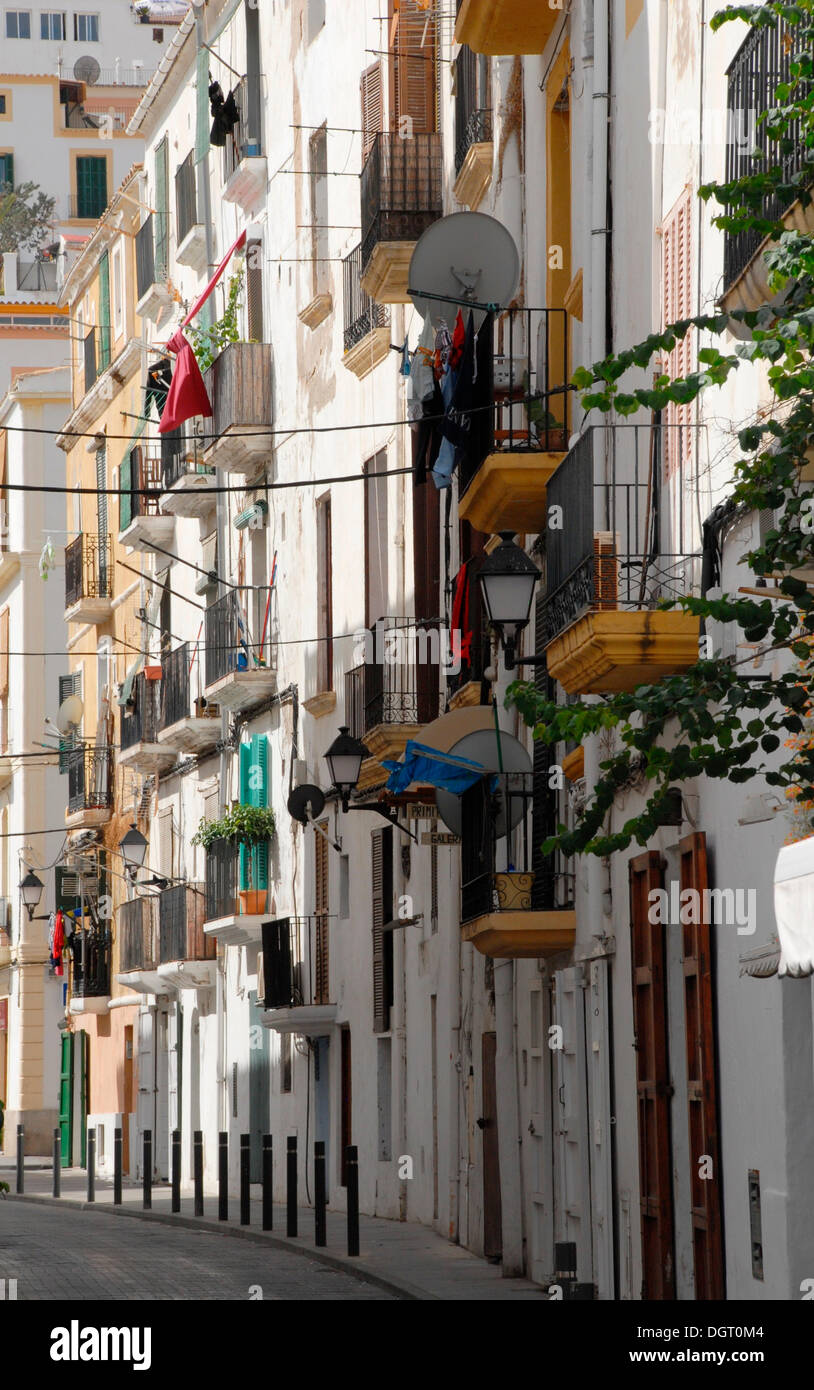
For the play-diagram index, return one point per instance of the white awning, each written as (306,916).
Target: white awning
(794,908)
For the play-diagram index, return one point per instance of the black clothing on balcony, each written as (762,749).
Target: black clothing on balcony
(225,114)
(458,392)
(159,376)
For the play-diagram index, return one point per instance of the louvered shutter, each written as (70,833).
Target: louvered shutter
(125,496)
(277,964)
(101,500)
(372,106)
(104,311)
(68,685)
(677,305)
(4,657)
(414,66)
(161,220)
(6,169)
(652,1081)
(66,889)
(606,577)
(259,797)
(244,851)
(543,804)
(699,1027)
(254,290)
(321,962)
(381,1013)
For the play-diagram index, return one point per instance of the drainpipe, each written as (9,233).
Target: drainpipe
(600,233)
(508,1130)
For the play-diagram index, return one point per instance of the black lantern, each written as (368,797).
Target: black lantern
(31,892)
(508,579)
(133,849)
(344,758)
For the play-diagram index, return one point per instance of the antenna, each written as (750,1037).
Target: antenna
(466,258)
(87,69)
(69,715)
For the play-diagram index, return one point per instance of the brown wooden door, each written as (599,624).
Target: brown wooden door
(322,988)
(702,1100)
(127,1099)
(652,1081)
(492,1226)
(345,1102)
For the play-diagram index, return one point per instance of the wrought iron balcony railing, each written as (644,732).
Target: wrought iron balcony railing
(762,62)
(227,641)
(181,915)
(136,934)
(295,961)
(176,703)
(362,314)
(500,868)
(90,778)
(402,189)
(179,458)
(629,536)
(244,141)
(399,683)
(221,887)
(140,484)
(141,722)
(91,964)
(473,109)
(88,569)
(152,248)
(239,388)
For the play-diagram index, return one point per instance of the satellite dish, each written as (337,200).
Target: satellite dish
(481,747)
(87,69)
(305,803)
(466,256)
(69,715)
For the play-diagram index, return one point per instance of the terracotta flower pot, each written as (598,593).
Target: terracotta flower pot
(514,891)
(252,901)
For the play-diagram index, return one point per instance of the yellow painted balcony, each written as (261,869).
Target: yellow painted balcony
(506,26)
(519,425)
(605,652)
(402,194)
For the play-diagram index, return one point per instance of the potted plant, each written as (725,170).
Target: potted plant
(241,825)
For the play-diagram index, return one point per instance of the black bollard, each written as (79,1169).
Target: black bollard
(57,1161)
(147,1175)
(197,1170)
(117,1167)
(92,1165)
(20,1158)
(245,1178)
(352,1172)
(320,1233)
(291,1185)
(223,1176)
(268,1184)
(175,1204)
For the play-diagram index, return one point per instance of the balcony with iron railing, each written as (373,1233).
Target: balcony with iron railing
(136,936)
(245,167)
(500,913)
(473,128)
(506,26)
(90,970)
(628,541)
(239,386)
(761,64)
(139,726)
(87,206)
(367,324)
(88,579)
(186,214)
(519,421)
(471,643)
(189,723)
(152,265)
(402,195)
(90,785)
(186,481)
(396,691)
(239,671)
(143,522)
(234,913)
(296,976)
(186,955)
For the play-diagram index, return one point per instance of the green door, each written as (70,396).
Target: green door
(254,792)
(91,186)
(259,1086)
(83,1042)
(104,312)
(66,1100)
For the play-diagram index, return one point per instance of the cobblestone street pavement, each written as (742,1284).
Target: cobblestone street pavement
(57,1254)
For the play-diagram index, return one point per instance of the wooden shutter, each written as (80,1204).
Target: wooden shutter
(372,102)
(653,1081)
(125,495)
(6,169)
(260,853)
(606,566)
(68,685)
(101,499)
(4,646)
(702,1102)
(677,304)
(162,201)
(91,186)
(277,964)
(104,311)
(382,909)
(543,802)
(325,660)
(413,66)
(322,992)
(254,290)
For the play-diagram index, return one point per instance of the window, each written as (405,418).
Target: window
(325,661)
(382,912)
(52,25)
(118,302)
(86,28)
(318,169)
(677,257)
(105,673)
(18,24)
(285,1064)
(322,992)
(91,186)
(384,1070)
(2,104)
(6,169)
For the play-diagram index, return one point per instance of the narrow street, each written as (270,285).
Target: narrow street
(54,1255)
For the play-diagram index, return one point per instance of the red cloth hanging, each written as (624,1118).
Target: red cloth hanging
(199,303)
(58,943)
(187,394)
(458,342)
(461,629)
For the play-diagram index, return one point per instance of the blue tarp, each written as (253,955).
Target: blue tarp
(430,765)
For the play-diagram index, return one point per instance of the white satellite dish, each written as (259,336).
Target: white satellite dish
(69,715)
(481,747)
(466,256)
(87,69)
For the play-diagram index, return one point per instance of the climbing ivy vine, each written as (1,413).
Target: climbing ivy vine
(711,720)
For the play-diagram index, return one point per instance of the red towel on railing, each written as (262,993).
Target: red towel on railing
(58,942)
(187,394)
(461,635)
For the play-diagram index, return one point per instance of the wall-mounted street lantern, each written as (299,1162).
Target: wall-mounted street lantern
(133,849)
(31,890)
(508,579)
(344,758)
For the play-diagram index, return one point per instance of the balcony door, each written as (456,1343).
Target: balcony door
(377,539)
(492,1218)
(259,1086)
(572,1178)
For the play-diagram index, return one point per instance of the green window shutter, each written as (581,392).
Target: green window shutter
(104,312)
(68,685)
(7,169)
(91,186)
(259,759)
(161,212)
(125,497)
(68,902)
(245,799)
